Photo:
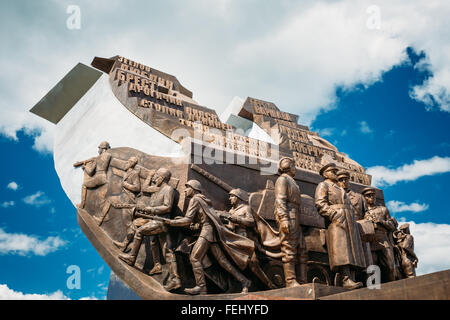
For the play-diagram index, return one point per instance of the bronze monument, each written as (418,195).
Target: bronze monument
(228,215)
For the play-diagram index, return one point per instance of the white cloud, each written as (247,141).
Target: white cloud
(22,244)
(292,53)
(432,246)
(13,186)
(7,204)
(326,132)
(399,206)
(38,199)
(8,294)
(364,127)
(382,176)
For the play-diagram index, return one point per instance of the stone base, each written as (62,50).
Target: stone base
(432,286)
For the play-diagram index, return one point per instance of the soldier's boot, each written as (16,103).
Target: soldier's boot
(348,282)
(200,287)
(289,275)
(174,279)
(303,273)
(125,243)
(131,258)
(157,268)
(122,246)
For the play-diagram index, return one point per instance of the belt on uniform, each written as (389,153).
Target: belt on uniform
(341,206)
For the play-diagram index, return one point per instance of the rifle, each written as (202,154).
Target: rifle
(149,216)
(83,162)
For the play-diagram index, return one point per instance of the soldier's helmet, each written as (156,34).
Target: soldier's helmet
(284,164)
(104,145)
(241,194)
(194,184)
(404,226)
(164,173)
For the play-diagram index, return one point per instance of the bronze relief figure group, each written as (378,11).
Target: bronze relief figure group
(238,243)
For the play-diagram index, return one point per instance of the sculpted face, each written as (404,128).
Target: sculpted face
(292,169)
(370,198)
(330,174)
(343,182)
(131,162)
(157,179)
(189,192)
(233,199)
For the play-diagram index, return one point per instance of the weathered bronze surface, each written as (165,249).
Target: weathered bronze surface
(175,228)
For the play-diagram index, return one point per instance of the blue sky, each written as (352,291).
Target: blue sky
(372,78)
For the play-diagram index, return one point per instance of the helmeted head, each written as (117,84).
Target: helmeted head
(104,145)
(192,187)
(343,178)
(329,171)
(286,165)
(404,228)
(370,194)
(237,194)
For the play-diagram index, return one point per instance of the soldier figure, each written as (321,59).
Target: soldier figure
(360,206)
(345,250)
(382,246)
(95,168)
(131,186)
(240,221)
(405,248)
(161,203)
(287,215)
(213,236)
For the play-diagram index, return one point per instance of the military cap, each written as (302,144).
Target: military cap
(194,184)
(327,166)
(343,173)
(368,190)
(104,145)
(284,163)
(241,194)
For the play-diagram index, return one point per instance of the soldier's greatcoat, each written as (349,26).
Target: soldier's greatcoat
(359,203)
(239,248)
(343,238)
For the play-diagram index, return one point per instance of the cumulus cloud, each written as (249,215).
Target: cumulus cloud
(37,199)
(9,294)
(432,246)
(23,244)
(399,206)
(292,53)
(364,127)
(382,176)
(13,186)
(7,204)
